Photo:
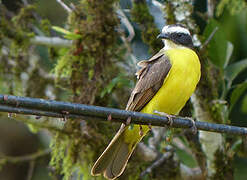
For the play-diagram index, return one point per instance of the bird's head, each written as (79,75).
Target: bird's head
(175,36)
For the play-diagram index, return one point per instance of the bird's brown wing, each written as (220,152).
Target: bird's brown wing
(150,78)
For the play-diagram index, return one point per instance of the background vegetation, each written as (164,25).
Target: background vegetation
(86,52)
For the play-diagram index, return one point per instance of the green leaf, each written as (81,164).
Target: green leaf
(120,80)
(218,47)
(229,51)
(72,36)
(67,34)
(236,145)
(233,70)
(244,105)
(236,94)
(60,30)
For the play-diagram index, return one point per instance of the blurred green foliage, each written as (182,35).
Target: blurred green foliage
(96,69)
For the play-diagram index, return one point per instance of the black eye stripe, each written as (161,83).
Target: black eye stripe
(181,38)
(180,34)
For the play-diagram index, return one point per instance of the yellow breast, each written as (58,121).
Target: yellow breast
(180,83)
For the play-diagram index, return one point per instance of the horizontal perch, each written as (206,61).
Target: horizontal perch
(41,107)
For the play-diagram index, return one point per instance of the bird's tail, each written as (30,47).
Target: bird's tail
(114,159)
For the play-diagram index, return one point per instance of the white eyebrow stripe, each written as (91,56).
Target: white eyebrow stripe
(176,29)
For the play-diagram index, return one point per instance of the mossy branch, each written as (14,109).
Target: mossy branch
(51,41)
(140,14)
(26,158)
(41,107)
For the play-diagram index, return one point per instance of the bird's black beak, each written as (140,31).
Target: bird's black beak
(163,36)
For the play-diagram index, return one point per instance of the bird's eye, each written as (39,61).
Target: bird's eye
(179,34)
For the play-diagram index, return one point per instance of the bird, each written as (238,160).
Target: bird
(165,83)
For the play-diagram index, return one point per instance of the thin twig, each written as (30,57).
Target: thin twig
(41,107)
(157,163)
(64,6)
(204,45)
(158,4)
(211,8)
(30,170)
(29,157)
(127,24)
(35,15)
(45,123)
(25,2)
(51,41)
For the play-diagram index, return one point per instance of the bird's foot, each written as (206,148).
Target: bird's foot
(128,121)
(141,130)
(193,128)
(170,117)
(109,118)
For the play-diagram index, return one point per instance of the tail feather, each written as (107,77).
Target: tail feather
(118,163)
(105,159)
(114,159)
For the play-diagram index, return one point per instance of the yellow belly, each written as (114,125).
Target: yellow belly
(177,88)
(180,83)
